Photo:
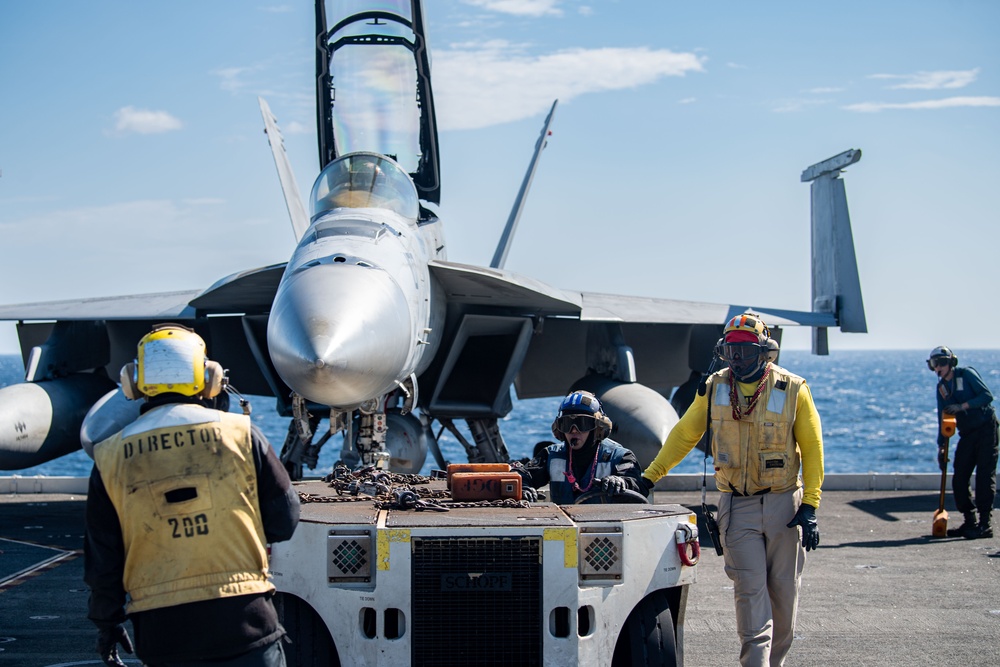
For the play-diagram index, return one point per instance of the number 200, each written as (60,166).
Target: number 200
(189,527)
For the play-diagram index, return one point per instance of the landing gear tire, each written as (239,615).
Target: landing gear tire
(602,497)
(308,642)
(647,638)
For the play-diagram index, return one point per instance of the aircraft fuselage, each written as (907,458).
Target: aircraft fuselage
(355,315)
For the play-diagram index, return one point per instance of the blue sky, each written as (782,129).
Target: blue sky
(133,158)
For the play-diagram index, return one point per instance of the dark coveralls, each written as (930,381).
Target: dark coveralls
(978,440)
(612,459)
(205,630)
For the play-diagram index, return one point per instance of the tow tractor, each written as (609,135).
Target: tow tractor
(456,569)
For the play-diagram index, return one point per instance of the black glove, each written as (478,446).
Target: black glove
(647,486)
(943,458)
(614,485)
(529,493)
(806,517)
(953,408)
(108,640)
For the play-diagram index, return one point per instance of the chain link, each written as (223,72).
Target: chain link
(390,490)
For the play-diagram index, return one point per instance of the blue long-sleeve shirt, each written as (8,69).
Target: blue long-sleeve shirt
(966,388)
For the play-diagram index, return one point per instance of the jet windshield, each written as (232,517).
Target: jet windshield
(365,180)
(374,80)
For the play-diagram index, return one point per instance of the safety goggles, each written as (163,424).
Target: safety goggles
(937,362)
(583,423)
(740,351)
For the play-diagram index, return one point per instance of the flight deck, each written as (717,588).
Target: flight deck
(879,591)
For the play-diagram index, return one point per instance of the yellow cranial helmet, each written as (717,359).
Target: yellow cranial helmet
(744,346)
(171,359)
(746,323)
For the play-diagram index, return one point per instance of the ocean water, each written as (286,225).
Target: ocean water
(877,409)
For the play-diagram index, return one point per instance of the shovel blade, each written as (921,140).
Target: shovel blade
(939,524)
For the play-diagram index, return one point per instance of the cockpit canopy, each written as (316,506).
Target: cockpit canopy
(365,180)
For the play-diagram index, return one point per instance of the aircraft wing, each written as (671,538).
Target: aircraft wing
(482,286)
(667,336)
(621,308)
(572,332)
(102,332)
(468,285)
(135,306)
(244,292)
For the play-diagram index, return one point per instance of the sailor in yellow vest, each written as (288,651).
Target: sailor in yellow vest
(763,426)
(180,508)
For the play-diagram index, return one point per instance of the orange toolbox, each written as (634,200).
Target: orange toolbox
(476,467)
(485,485)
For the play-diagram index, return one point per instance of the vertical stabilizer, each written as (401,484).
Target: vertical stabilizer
(503,247)
(293,200)
(836,287)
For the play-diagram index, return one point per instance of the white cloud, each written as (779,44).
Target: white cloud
(129,120)
(493,84)
(931,80)
(519,7)
(946,103)
(233,79)
(688,100)
(825,90)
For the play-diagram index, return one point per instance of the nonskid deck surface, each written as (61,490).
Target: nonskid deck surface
(879,591)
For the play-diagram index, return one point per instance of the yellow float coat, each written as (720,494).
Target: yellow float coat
(183,482)
(758,452)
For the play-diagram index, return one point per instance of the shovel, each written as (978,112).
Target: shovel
(939,523)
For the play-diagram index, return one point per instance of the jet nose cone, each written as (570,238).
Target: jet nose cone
(339,334)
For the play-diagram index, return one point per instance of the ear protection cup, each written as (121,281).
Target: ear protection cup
(215,379)
(127,378)
(603,426)
(954,361)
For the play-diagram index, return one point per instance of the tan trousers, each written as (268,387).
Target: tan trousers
(764,559)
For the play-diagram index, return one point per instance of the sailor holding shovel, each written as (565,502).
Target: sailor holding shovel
(961,392)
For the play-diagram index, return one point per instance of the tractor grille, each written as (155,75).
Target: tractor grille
(349,557)
(601,556)
(477,601)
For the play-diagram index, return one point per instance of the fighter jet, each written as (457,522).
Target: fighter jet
(368,330)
